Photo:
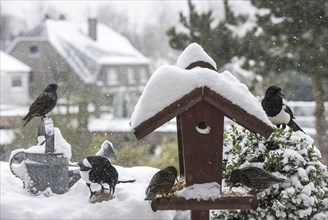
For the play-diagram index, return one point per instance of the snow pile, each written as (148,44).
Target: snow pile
(19,170)
(61,145)
(289,155)
(156,95)
(128,203)
(6,136)
(193,53)
(107,150)
(170,83)
(205,191)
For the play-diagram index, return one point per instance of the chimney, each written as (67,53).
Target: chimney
(92,28)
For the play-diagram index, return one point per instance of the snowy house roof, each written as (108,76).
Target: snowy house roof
(85,55)
(11,64)
(187,88)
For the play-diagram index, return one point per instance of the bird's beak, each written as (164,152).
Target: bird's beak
(231,185)
(282,94)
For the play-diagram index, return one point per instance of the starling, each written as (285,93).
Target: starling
(43,104)
(254,178)
(98,169)
(276,109)
(162,182)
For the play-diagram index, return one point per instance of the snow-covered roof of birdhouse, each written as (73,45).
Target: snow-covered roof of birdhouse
(11,64)
(171,83)
(194,53)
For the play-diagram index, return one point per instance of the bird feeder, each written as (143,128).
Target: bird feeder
(200,126)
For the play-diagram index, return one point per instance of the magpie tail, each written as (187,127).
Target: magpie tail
(126,181)
(292,124)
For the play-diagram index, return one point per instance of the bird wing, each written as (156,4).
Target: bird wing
(159,186)
(288,110)
(38,104)
(255,173)
(157,183)
(263,176)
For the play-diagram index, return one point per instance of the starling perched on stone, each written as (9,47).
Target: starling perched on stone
(254,178)
(98,169)
(43,104)
(162,182)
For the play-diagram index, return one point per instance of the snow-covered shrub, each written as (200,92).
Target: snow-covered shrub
(286,154)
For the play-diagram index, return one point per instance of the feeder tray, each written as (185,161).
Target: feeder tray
(176,203)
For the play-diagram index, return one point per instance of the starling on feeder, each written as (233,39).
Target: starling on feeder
(43,104)
(162,182)
(254,178)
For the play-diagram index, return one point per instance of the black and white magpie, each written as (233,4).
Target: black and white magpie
(98,169)
(276,109)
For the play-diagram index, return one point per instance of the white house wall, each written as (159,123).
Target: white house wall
(14,95)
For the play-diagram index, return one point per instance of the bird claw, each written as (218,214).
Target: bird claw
(93,193)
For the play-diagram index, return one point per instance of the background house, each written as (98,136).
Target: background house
(86,53)
(14,81)
(14,97)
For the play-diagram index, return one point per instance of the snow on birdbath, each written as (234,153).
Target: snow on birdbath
(61,145)
(43,171)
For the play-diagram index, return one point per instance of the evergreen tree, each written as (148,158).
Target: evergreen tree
(218,41)
(290,155)
(292,36)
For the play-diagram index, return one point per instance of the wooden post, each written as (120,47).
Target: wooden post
(180,149)
(202,145)
(49,135)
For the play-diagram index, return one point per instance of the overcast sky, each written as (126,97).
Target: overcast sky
(139,12)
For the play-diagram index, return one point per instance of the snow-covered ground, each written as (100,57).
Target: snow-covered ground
(17,203)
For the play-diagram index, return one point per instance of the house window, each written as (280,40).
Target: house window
(16,82)
(34,51)
(112,77)
(131,76)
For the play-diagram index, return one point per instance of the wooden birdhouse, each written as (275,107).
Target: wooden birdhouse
(199,98)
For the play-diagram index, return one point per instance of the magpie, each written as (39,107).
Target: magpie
(98,169)
(277,110)
(43,104)
(162,182)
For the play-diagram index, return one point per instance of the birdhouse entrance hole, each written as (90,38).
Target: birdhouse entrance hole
(203,128)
